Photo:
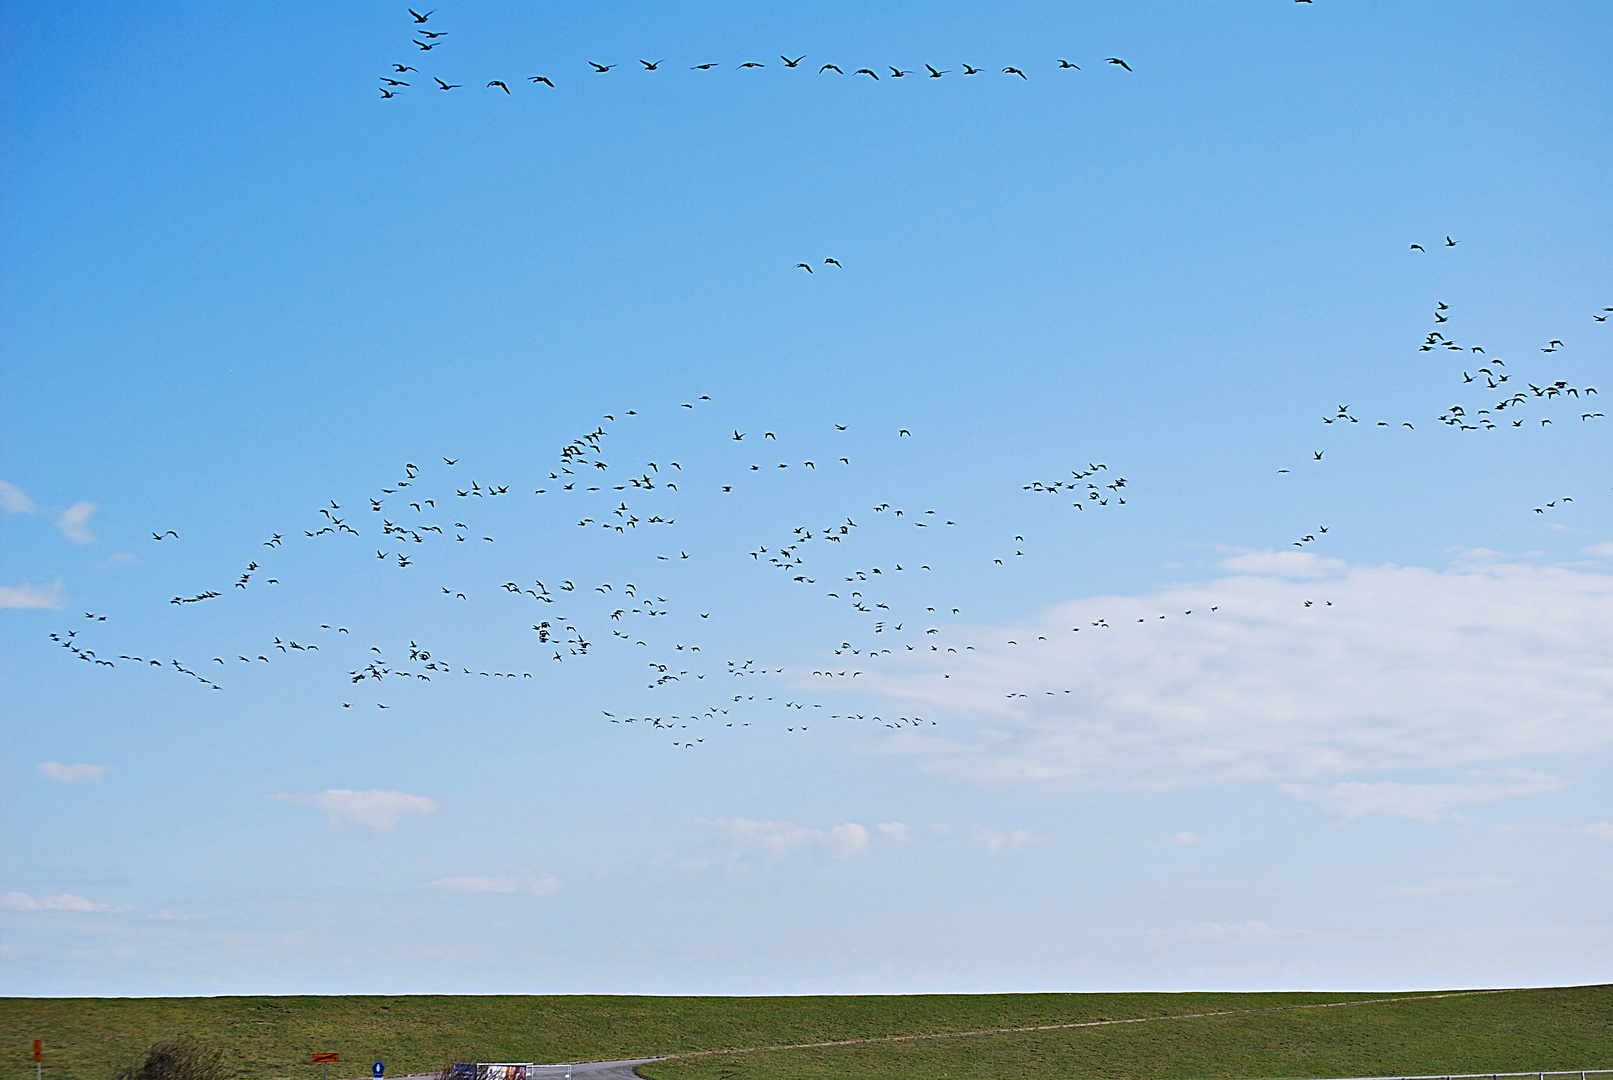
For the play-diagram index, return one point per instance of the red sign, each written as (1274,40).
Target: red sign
(326,1059)
(39,1049)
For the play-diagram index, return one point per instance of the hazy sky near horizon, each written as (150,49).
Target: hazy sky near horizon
(902,690)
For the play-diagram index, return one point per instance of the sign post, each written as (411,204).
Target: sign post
(378,1070)
(39,1058)
(325,1060)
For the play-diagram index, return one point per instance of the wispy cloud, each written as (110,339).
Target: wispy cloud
(74,523)
(13,501)
(21,901)
(1442,885)
(1385,667)
(378,810)
(48,598)
(1184,839)
(1602,830)
(998,842)
(1423,802)
(520,885)
(71,774)
(777,837)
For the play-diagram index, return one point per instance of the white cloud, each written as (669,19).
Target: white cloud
(378,810)
(31,596)
(1388,668)
(1183,839)
(1603,550)
(1602,830)
(74,523)
(69,774)
(1423,802)
(13,501)
(997,842)
(20,901)
(1283,564)
(895,830)
(848,839)
(1441,886)
(777,837)
(524,885)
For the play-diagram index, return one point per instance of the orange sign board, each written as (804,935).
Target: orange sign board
(325,1059)
(39,1049)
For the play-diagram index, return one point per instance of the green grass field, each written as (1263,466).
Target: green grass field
(272,1037)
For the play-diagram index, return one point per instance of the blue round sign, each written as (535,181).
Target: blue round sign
(378,1070)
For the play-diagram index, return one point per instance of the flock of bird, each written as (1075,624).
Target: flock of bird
(427,38)
(887,627)
(883,574)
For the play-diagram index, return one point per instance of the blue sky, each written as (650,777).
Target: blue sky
(240,289)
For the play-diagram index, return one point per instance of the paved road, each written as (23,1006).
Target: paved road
(587,1070)
(605,1070)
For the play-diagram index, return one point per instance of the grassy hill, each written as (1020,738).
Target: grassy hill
(1259,1035)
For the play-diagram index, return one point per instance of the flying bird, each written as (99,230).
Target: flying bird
(704,67)
(830,67)
(446,86)
(1418,247)
(1117,60)
(934,74)
(419,18)
(1013,71)
(600,68)
(804,266)
(865,71)
(500,84)
(1067,64)
(651,67)
(544,79)
(794,63)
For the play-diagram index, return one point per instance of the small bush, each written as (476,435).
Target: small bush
(176,1059)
